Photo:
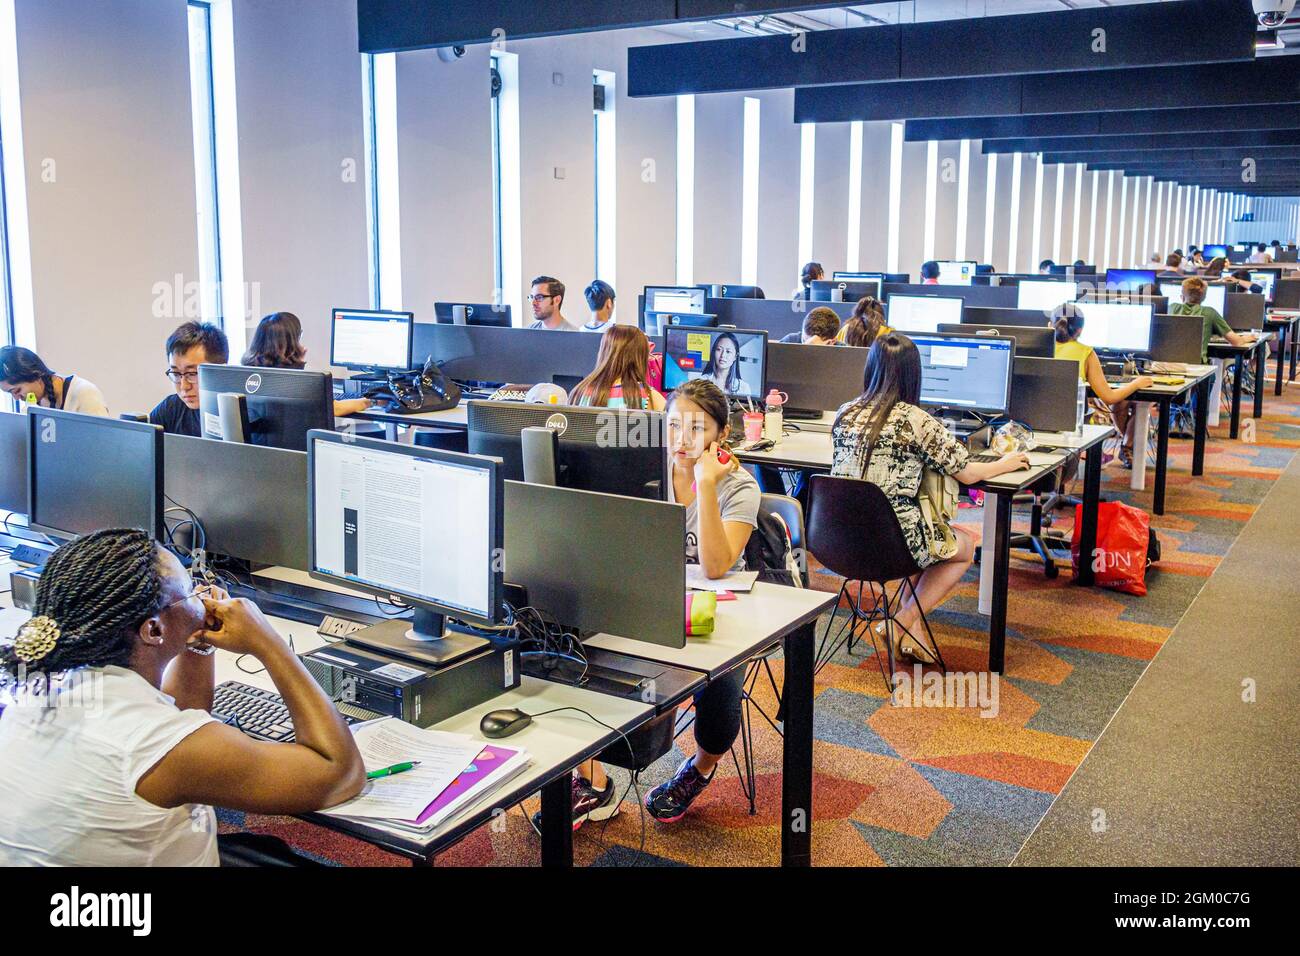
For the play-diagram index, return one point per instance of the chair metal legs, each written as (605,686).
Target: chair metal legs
(890,610)
(855,617)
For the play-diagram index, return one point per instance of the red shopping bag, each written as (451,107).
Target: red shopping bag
(1123,537)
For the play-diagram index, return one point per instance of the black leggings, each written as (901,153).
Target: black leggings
(717,713)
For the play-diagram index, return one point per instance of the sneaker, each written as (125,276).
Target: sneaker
(669,801)
(588,803)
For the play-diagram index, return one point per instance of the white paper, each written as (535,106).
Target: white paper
(404,796)
(738,581)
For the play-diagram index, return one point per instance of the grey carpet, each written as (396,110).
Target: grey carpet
(1188,773)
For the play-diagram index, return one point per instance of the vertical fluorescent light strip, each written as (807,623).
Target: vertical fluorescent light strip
(1092,223)
(963,198)
(807,179)
(1123,215)
(895,194)
(606,125)
(17,240)
(854,245)
(749,195)
(202,121)
(1110,210)
(1036,243)
(512,246)
(388,203)
(686,189)
(1146,222)
(931,196)
(1138,259)
(236,308)
(990,206)
(1057,228)
(1017,159)
(1078,211)
(1157,239)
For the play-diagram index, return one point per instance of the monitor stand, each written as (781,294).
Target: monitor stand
(424,639)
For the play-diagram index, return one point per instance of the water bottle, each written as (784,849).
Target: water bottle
(773,417)
(1081,408)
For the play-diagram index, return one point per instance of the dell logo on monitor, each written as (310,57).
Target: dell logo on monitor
(252,383)
(558,423)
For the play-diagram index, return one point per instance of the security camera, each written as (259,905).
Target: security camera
(1272,13)
(450,54)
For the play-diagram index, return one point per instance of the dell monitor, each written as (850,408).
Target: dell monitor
(969,373)
(921,313)
(403,521)
(843,290)
(1045,295)
(1265,281)
(1214,295)
(656,322)
(472,313)
(674,298)
(1116,326)
(371,341)
(735,360)
(86,473)
(956,273)
(1130,280)
(278,405)
(610,450)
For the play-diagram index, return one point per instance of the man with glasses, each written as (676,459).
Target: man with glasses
(191,345)
(548,299)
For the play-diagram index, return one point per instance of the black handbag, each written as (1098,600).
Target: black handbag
(410,393)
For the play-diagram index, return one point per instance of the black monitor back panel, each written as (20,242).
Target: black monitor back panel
(1176,338)
(1244,311)
(986,296)
(817,377)
(524,356)
(13,462)
(1045,393)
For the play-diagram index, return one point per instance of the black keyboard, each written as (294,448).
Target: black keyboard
(259,713)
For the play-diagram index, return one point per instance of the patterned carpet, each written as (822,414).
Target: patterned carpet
(935,785)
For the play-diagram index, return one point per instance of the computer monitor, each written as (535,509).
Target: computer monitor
(843,290)
(921,313)
(735,359)
(1031,342)
(371,340)
(282,404)
(410,522)
(721,291)
(674,298)
(13,462)
(1067,269)
(1130,280)
(656,322)
(1214,295)
(1116,326)
(1215,252)
(859,276)
(1265,281)
(86,473)
(472,313)
(953,272)
(1044,295)
(967,372)
(611,450)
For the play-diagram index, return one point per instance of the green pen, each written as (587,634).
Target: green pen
(389,771)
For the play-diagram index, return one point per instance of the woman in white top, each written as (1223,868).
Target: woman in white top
(119,762)
(31,382)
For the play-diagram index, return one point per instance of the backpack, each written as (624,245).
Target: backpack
(771,553)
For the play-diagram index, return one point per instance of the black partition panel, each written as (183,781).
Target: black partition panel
(977,315)
(1045,393)
(1176,338)
(524,356)
(13,462)
(776,317)
(816,377)
(1244,311)
(987,296)
(251,500)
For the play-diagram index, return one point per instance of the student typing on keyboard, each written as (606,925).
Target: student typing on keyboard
(120,762)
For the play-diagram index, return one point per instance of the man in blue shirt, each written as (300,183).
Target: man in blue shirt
(191,345)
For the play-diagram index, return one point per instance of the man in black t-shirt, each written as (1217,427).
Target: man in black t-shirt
(191,345)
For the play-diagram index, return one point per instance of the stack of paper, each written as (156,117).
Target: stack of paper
(454,770)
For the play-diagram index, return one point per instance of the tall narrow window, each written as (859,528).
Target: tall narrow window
(990,207)
(854,246)
(606,185)
(16,318)
(895,195)
(963,198)
(1110,209)
(204,119)
(1120,259)
(749,194)
(6,284)
(494,107)
(807,176)
(1058,224)
(380,73)
(1092,222)
(931,196)
(1078,212)
(1036,234)
(686,189)
(1013,249)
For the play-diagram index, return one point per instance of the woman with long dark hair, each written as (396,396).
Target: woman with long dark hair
(865,324)
(619,379)
(886,438)
(277,343)
(723,366)
(31,382)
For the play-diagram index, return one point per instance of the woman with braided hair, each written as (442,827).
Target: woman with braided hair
(113,758)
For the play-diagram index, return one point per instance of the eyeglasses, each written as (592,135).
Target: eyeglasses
(176,376)
(538,297)
(198,590)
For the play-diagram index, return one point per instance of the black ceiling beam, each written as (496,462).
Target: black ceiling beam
(1245,139)
(1259,82)
(1120,123)
(1190,155)
(1149,34)
(389,26)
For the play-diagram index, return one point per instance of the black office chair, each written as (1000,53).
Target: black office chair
(853,532)
(1043,500)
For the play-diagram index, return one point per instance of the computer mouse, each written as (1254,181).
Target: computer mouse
(503,723)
